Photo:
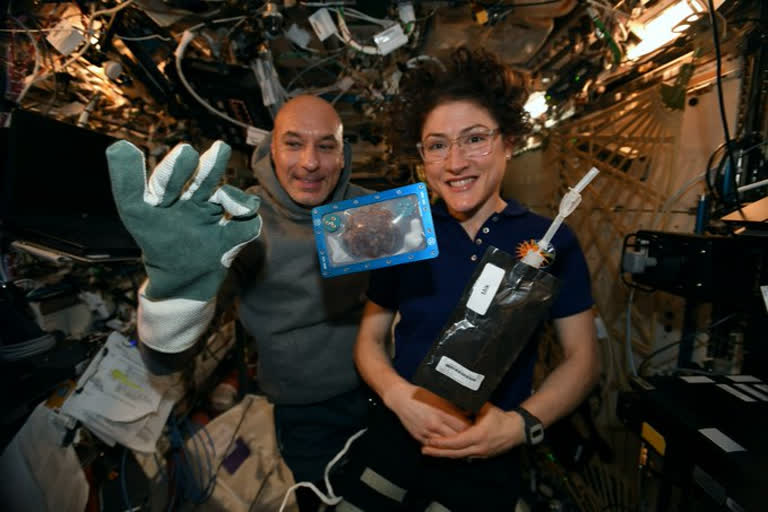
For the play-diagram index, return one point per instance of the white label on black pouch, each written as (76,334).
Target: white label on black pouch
(485,288)
(459,373)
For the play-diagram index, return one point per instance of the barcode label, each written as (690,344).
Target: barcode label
(459,373)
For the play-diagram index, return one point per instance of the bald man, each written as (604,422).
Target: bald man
(304,326)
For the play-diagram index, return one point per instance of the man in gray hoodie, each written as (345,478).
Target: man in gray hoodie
(304,326)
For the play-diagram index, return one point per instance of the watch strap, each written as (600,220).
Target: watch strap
(534,429)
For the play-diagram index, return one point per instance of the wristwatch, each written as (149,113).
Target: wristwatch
(534,430)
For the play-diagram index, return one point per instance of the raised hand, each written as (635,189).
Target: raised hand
(188,225)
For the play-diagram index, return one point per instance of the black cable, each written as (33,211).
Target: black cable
(721,102)
(712,189)
(675,343)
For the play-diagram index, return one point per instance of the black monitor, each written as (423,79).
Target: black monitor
(55,189)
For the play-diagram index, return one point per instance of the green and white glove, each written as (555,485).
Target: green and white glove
(177,217)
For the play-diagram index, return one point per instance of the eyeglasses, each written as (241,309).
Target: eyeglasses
(472,145)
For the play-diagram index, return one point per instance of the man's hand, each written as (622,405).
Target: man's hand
(177,217)
(424,414)
(493,433)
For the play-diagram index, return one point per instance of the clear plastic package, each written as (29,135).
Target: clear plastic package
(500,308)
(382,229)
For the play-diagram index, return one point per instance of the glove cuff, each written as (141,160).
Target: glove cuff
(172,326)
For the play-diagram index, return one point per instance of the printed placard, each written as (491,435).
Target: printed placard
(459,373)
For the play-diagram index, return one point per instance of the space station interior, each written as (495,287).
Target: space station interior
(250,248)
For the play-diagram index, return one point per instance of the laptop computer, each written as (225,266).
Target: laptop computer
(55,192)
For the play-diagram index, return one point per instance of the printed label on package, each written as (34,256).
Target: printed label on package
(459,373)
(485,288)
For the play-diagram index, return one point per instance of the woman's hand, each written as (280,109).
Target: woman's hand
(424,414)
(493,433)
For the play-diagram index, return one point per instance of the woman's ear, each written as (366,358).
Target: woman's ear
(509,145)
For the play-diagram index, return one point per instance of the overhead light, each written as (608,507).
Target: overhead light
(656,31)
(536,104)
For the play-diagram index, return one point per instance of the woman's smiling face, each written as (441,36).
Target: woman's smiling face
(469,184)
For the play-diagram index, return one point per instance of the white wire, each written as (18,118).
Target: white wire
(330,498)
(36,69)
(327,4)
(413,62)
(674,197)
(628,337)
(305,70)
(88,35)
(145,38)
(346,37)
(609,9)
(187,38)
(354,13)
(752,186)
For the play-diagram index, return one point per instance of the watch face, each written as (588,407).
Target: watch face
(536,434)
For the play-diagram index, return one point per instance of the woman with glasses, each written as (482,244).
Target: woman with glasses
(420,452)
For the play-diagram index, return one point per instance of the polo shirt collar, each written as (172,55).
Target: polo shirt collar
(513,209)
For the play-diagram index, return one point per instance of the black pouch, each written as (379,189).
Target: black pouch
(500,308)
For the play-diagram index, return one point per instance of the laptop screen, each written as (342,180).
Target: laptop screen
(54,182)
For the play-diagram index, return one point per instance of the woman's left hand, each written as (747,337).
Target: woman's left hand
(493,433)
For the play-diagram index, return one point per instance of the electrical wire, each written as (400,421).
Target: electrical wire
(123,484)
(721,101)
(666,347)
(628,333)
(685,187)
(89,34)
(307,69)
(144,38)
(346,36)
(532,4)
(330,498)
(354,13)
(328,4)
(414,61)
(29,80)
(193,477)
(187,38)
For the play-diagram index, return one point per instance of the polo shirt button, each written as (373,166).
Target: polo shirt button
(495,218)
(486,230)
(479,241)
(473,257)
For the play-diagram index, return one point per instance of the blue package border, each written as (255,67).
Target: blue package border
(430,251)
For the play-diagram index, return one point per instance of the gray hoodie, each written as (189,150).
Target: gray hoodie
(304,325)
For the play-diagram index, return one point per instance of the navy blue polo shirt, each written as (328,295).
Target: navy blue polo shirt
(426,292)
